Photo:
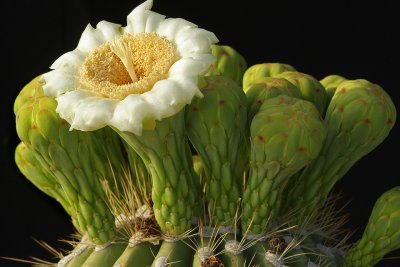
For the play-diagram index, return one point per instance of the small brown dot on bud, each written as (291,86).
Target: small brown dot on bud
(260,138)
(302,149)
(221,102)
(343,90)
(195,109)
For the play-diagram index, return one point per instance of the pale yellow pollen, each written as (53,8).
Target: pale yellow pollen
(130,64)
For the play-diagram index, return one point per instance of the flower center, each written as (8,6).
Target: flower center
(130,64)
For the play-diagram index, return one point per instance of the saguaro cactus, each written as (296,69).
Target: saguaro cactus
(165,151)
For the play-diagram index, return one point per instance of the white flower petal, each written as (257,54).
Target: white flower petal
(77,107)
(138,17)
(153,21)
(176,91)
(161,109)
(189,88)
(87,111)
(72,59)
(192,66)
(194,41)
(196,45)
(193,33)
(90,39)
(171,27)
(59,81)
(108,29)
(130,113)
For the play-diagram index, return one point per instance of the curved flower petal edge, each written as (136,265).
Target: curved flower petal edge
(128,77)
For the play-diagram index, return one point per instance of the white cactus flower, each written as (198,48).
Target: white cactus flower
(129,77)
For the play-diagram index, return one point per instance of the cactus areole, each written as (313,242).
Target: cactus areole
(166,150)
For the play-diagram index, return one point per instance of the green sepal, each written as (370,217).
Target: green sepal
(311,89)
(31,90)
(229,63)
(262,71)
(330,84)
(265,88)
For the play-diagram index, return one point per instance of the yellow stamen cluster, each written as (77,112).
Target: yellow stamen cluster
(130,64)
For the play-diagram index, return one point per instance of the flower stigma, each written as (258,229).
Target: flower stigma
(128,64)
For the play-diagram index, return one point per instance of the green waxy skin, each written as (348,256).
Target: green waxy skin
(139,255)
(382,234)
(105,257)
(80,259)
(265,88)
(215,125)
(79,162)
(310,88)
(78,255)
(229,63)
(358,119)
(178,253)
(229,257)
(199,256)
(262,71)
(286,134)
(139,174)
(174,188)
(330,84)
(198,166)
(256,255)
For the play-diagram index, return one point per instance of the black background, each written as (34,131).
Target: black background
(331,37)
